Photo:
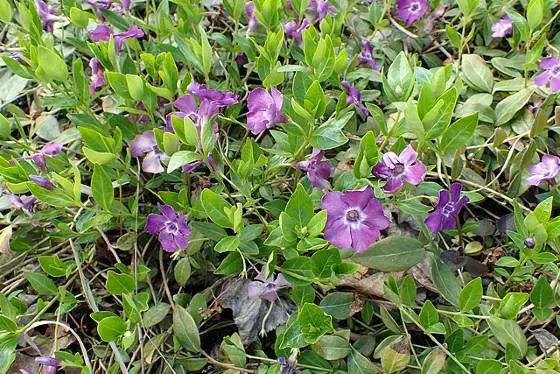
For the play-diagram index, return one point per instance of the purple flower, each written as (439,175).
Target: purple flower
(97,79)
(145,144)
(42,181)
(171,228)
(50,362)
(366,56)
(18,57)
(411,11)
(502,28)
(267,290)
(252,22)
(449,205)
(133,32)
(292,30)
(24,203)
(216,97)
(317,171)
(47,14)
(265,110)
(354,97)
(241,59)
(51,149)
(101,32)
(546,170)
(551,73)
(286,367)
(100,4)
(319,9)
(397,169)
(354,219)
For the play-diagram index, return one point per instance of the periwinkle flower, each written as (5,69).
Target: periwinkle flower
(42,181)
(397,169)
(547,170)
(354,219)
(502,28)
(447,209)
(97,79)
(50,149)
(286,367)
(268,289)
(133,32)
(101,32)
(551,73)
(23,202)
(47,14)
(319,9)
(145,144)
(217,98)
(354,97)
(366,56)
(18,57)
(265,110)
(318,171)
(51,364)
(294,31)
(411,11)
(252,22)
(171,228)
(530,242)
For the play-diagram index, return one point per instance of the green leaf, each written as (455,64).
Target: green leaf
(216,208)
(434,362)
(395,357)
(182,271)
(314,323)
(512,303)
(508,332)
(110,329)
(5,11)
(317,223)
(428,315)
(368,155)
(445,281)
(407,290)
(487,366)
(53,265)
(232,264)
(395,253)
(359,364)
(535,13)
(437,120)
(41,283)
(508,107)
(400,79)
(332,347)
(52,64)
(102,188)
(470,296)
(477,74)
(329,135)
(227,244)
(544,210)
(542,294)
(338,304)
(185,330)
(459,133)
(300,207)
(119,284)
(155,314)
(135,86)
(181,158)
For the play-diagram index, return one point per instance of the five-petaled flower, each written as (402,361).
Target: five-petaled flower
(319,9)
(397,169)
(318,171)
(354,96)
(104,32)
(267,289)
(447,209)
(502,28)
(354,219)
(265,110)
(171,228)
(411,11)
(547,170)
(366,56)
(145,144)
(551,73)
(294,31)
(97,79)
(47,14)
(23,202)
(252,22)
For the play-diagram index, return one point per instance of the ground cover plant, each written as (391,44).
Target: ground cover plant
(279,186)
